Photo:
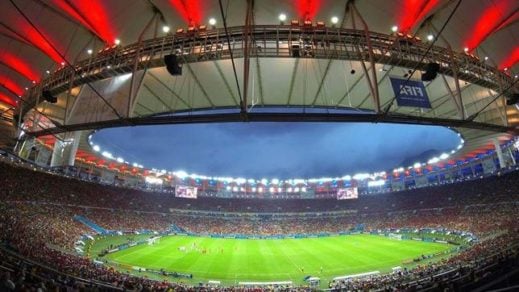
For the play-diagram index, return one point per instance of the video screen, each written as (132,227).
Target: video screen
(347,193)
(186,192)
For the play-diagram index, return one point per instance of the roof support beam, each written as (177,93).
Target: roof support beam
(372,81)
(278,117)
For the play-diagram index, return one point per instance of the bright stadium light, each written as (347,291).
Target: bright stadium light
(107,154)
(165,29)
(120,159)
(264,181)
(272,190)
(394,28)
(228,188)
(303,189)
(444,156)
(433,160)
(361,176)
(212,21)
(117,42)
(282,17)
(96,148)
(253,189)
(417,165)
(235,189)
(275,181)
(430,37)
(89,51)
(289,190)
(335,20)
(181,174)
(260,190)
(153,180)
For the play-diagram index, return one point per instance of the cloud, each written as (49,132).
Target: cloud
(281,150)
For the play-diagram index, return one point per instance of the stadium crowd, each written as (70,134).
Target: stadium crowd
(37,227)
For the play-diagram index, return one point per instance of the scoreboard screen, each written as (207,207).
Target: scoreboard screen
(186,192)
(347,193)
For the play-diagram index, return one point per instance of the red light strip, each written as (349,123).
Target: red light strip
(92,14)
(189,10)
(488,22)
(413,12)
(7,100)
(511,60)
(307,9)
(20,66)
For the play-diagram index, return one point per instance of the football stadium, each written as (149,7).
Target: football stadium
(251,145)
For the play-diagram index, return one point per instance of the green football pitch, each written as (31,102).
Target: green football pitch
(235,260)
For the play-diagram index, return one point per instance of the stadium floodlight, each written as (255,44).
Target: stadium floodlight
(433,160)
(430,37)
(296,190)
(335,19)
(90,51)
(272,190)
(107,154)
(240,180)
(120,159)
(96,148)
(275,181)
(417,165)
(444,156)
(253,189)
(361,176)
(212,21)
(466,50)
(181,174)
(282,17)
(117,42)
(303,189)
(289,190)
(486,58)
(264,181)
(459,146)
(298,181)
(235,189)
(394,28)
(228,188)
(260,190)
(166,29)
(251,181)
(153,180)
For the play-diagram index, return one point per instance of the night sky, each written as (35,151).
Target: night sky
(275,150)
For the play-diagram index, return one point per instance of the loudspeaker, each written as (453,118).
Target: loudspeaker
(172,65)
(47,96)
(431,71)
(512,99)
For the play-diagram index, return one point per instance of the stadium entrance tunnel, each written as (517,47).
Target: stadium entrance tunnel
(277,150)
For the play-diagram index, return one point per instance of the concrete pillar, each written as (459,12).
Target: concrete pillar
(64,152)
(499,153)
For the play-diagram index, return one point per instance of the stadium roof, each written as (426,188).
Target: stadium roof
(40,39)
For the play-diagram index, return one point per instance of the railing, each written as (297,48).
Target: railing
(283,41)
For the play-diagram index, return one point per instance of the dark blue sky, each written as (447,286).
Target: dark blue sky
(275,150)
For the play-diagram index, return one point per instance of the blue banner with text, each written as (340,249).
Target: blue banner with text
(410,93)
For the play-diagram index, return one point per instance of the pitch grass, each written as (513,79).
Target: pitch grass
(234,260)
